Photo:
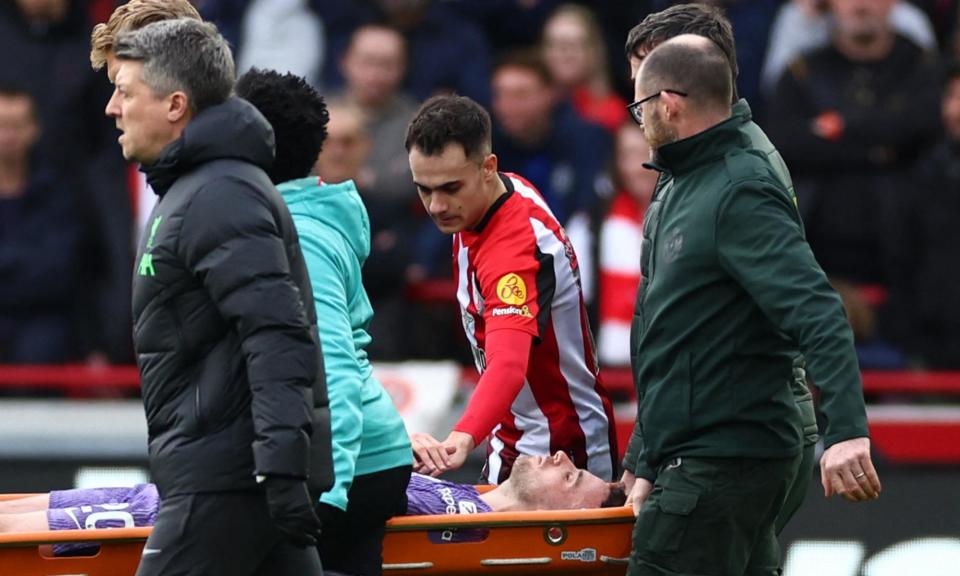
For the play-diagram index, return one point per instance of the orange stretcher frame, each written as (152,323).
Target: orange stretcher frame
(595,541)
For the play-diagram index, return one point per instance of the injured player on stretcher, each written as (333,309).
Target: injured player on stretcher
(536,483)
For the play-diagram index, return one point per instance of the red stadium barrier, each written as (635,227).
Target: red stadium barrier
(904,433)
(68,377)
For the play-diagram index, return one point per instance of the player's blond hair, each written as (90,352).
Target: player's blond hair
(132,16)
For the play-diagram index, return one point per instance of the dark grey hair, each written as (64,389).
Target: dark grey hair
(182,54)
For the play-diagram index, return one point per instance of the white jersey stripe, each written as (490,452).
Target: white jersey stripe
(532,195)
(531,422)
(464,299)
(570,343)
(494,461)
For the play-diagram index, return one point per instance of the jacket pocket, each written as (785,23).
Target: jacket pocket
(665,409)
(673,509)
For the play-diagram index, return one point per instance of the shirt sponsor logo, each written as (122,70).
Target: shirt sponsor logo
(446,495)
(523,312)
(511,289)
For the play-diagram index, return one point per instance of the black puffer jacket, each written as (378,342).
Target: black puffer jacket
(224,322)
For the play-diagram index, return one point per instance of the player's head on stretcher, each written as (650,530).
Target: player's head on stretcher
(536,483)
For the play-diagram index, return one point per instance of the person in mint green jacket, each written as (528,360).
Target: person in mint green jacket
(371,448)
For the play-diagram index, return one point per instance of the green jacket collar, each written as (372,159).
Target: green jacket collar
(711,144)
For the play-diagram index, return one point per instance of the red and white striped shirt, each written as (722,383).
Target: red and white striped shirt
(620,237)
(517,270)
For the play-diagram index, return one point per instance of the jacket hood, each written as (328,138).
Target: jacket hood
(336,206)
(234,129)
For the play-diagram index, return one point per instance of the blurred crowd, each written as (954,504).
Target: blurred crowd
(862,97)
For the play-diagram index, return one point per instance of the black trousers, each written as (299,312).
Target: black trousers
(352,541)
(222,533)
(712,517)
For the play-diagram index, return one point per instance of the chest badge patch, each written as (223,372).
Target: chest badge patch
(146,261)
(674,245)
(511,289)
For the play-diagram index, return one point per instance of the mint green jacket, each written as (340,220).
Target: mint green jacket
(368,433)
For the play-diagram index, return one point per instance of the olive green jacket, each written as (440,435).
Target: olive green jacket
(731,297)
(760,143)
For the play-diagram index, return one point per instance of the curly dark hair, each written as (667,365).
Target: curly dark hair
(298,115)
(446,119)
(698,19)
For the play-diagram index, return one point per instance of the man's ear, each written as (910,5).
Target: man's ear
(673,104)
(489,166)
(178,107)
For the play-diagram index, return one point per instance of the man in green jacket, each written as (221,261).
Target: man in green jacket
(709,21)
(731,295)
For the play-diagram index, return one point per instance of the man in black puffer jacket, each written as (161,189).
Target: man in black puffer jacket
(224,321)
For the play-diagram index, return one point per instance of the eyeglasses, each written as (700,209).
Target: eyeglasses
(634,108)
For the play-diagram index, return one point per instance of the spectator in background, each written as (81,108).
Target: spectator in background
(447,53)
(804,25)
(508,24)
(392,225)
(943,15)
(539,135)
(39,242)
(374,67)
(751,21)
(620,238)
(44,45)
(850,119)
(347,146)
(574,50)
(925,291)
(282,35)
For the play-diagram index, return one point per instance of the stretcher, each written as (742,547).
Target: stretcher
(595,541)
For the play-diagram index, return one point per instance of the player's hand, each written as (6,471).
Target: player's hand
(627,480)
(458,445)
(431,456)
(638,494)
(291,508)
(846,469)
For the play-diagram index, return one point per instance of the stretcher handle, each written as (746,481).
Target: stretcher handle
(408,566)
(515,561)
(617,515)
(95,535)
